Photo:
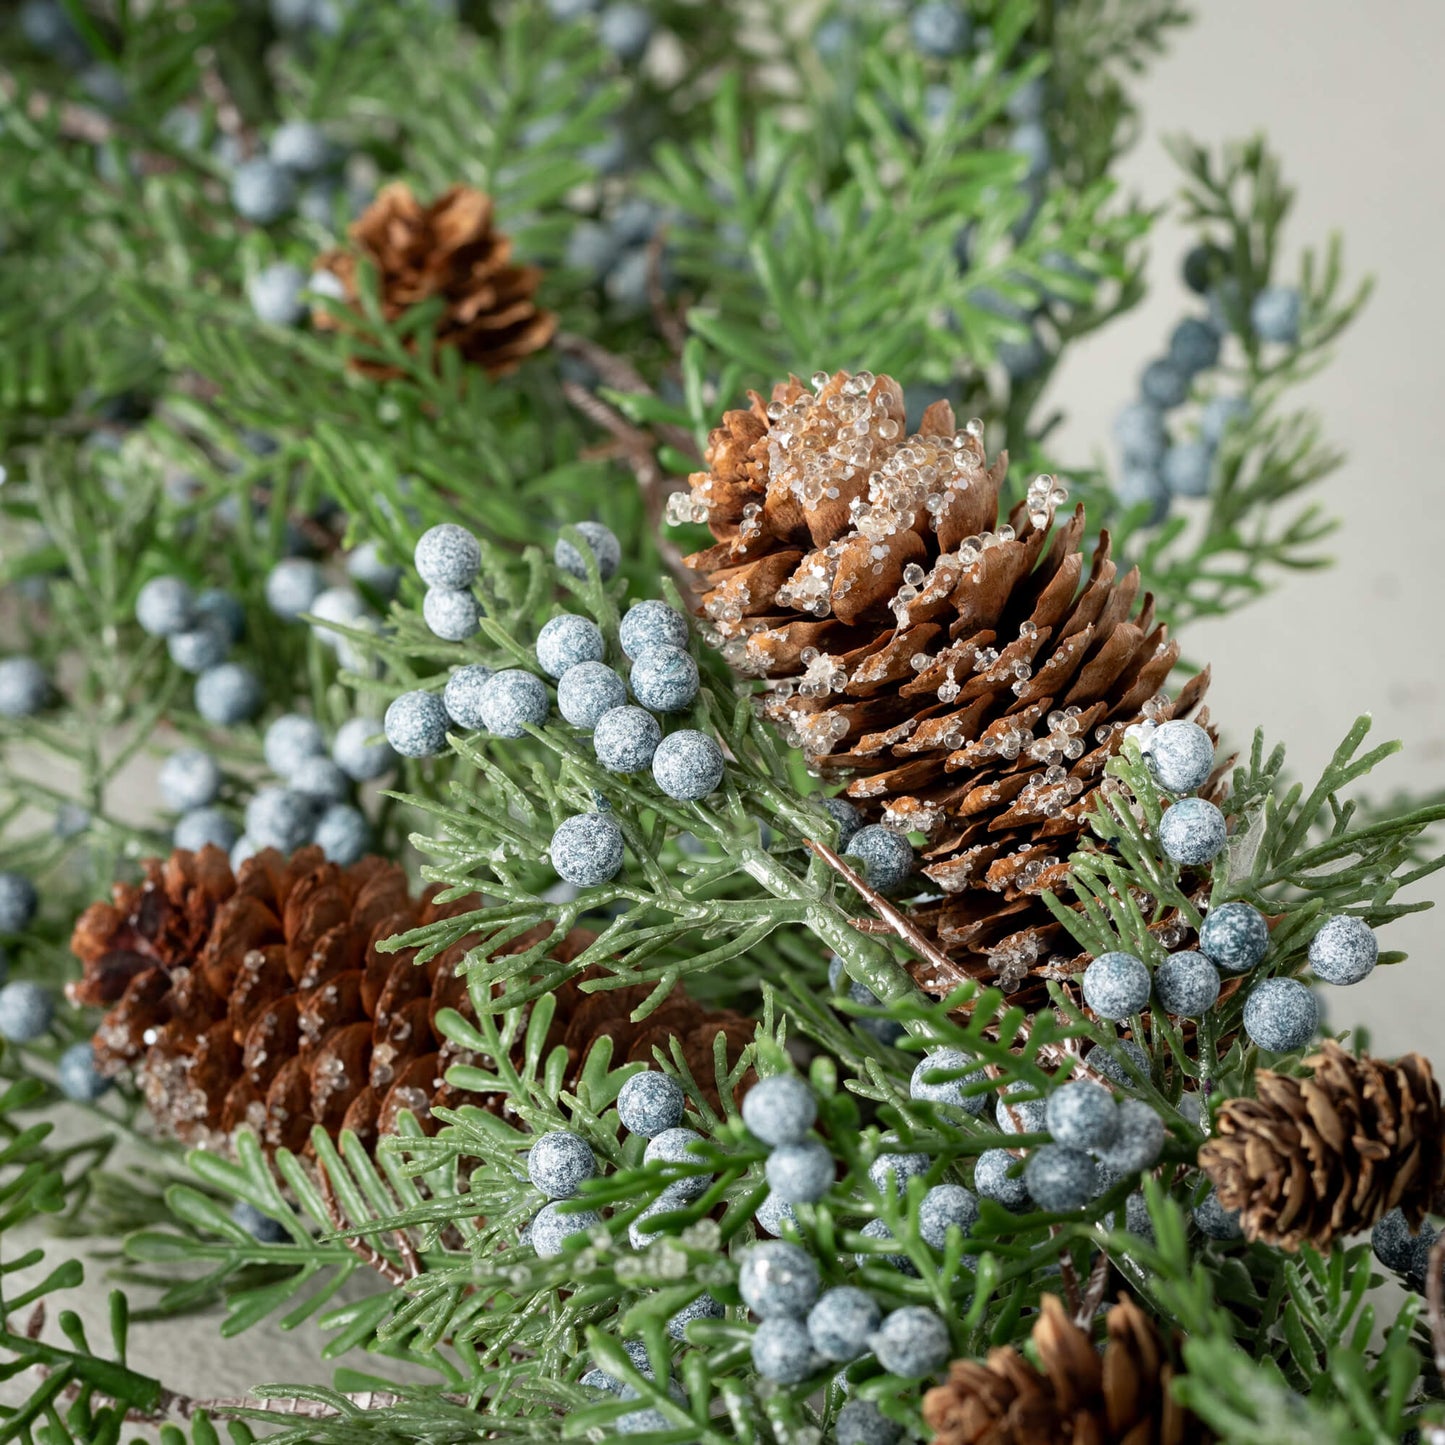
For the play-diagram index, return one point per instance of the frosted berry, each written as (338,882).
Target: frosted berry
(416,725)
(198,828)
(340,607)
(1059,1179)
(773,1213)
(1281,1014)
(1180,755)
(1192,831)
(783,1350)
(559,1163)
(1140,483)
(861,1422)
(1139,431)
(1214,1220)
(587,850)
(450,613)
(1202,265)
(945,1207)
(800,1173)
(24,688)
(261,1227)
(1187,985)
(841,1322)
(1219,414)
(664,679)
(165,605)
(1234,937)
(1164,385)
(878,1229)
(940,29)
(1123,1061)
(77,1075)
(652,624)
(276,294)
(551,1229)
(292,585)
(300,146)
(1116,985)
(1395,1243)
(625,739)
(1188,468)
(261,191)
(704,1307)
(360,751)
(912,1342)
(1194,345)
(1082,1115)
(606,549)
(447,556)
(688,765)
(945,1091)
(199,647)
(1138,1143)
(321,779)
(511,701)
(463,694)
(587,691)
(280,818)
(1031,140)
(895,1170)
(778,1280)
(189,779)
(846,816)
(1019,1116)
(1275,315)
(243,849)
(886,855)
(228,694)
(367,565)
(992,1179)
(566,640)
(1344,951)
(650,1102)
(343,834)
(780,1110)
(26,1010)
(1137,1219)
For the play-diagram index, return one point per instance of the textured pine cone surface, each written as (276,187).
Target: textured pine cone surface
(1077,1397)
(446,249)
(969,678)
(261,998)
(1316,1158)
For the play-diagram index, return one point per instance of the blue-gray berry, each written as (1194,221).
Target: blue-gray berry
(773,1213)
(199,647)
(511,701)
(1202,263)
(1138,1143)
(1227,307)
(1082,1115)
(1030,139)
(886,855)
(675,1146)
(228,693)
(1214,1220)
(650,1102)
(1020,1116)
(1180,755)
(945,1207)
(780,1110)
(846,816)
(625,739)
(321,779)
(949,1092)
(895,1170)
(841,1322)
(261,1227)
(261,191)
(992,1179)
(861,1422)
(360,751)
(300,146)
(551,1229)
(26,1010)
(1281,1015)
(567,640)
(77,1075)
(605,547)
(587,691)
(276,294)
(189,779)
(878,1229)
(243,850)
(1192,831)
(1123,1061)
(1116,985)
(464,694)
(292,585)
(1187,469)
(1344,951)
(1059,1179)
(343,834)
(704,1307)
(1194,345)
(24,687)
(801,1173)
(1219,414)
(1164,385)
(912,1342)
(367,565)
(664,679)
(1395,1243)
(450,613)
(448,556)
(652,624)
(625,29)
(1025,359)
(1234,937)
(197,828)
(688,765)
(1137,1219)
(280,818)
(337,608)
(1275,315)
(1139,431)
(1187,985)
(165,605)
(592,248)
(559,1163)
(778,1280)
(940,29)
(587,850)
(416,725)
(290,740)
(783,1350)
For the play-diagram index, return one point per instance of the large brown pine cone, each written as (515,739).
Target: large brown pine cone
(1313,1159)
(260,998)
(970,678)
(1080,1398)
(446,249)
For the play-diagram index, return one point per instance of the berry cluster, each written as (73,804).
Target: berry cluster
(299,171)
(200,629)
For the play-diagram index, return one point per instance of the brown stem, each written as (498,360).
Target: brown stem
(368,1254)
(618,373)
(1094,1294)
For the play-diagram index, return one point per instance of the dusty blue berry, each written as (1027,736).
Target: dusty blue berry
(189,779)
(1344,951)
(197,828)
(280,818)
(1020,1116)
(940,29)
(587,691)
(77,1075)
(343,834)
(1226,304)
(1029,100)
(625,28)
(1082,1115)
(1234,937)
(300,146)
(360,750)
(1187,469)
(800,1173)
(773,1213)
(778,1280)
(846,816)
(447,556)
(1192,832)
(886,855)
(165,605)
(1137,1219)
(841,1322)
(367,565)
(912,1342)
(591,248)
(1202,264)
(664,679)
(688,765)
(861,1422)
(1180,755)
(605,547)
(26,1010)
(559,1163)
(276,294)
(704,1307)
(228,694)
(652,624)
(992,1179)
(878,1229)
(783,1350)
(1139,431)
(450,613)
(780,1110)
(416,725)
(1187,985)
(949,1092)
(1031,140)
(1194,345)
(1219,414)
(1116,985)
(1214,1220)
(587,850)
(261,1227)
(336,609)
(1138,1143)
(511,701)
(638,1234)
(261,191)
(1123,1061)
(1281,1014)
(24,687)
(567,640)
(625,739)
(1275,315)
(292,585)
(945,1207)
(1395,1243)
(199,647)
(462,697)
(551,1229)
(320,778)
(1059,1179)
(895,1170)
(1144,484)
(650,1103)
(1164,385)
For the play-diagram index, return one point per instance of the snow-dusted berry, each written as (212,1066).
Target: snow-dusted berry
(800,1173)
(1082,1115)
(1275,315)
(451,613)
(949,1092)
(846,816)
(912,1342)
(664,679)
(26,1010)
(1138,484)
(1164,385)
(625,739)
(587,849)
(1116,985)
(199,647)
(276,294)
(783,1350)
(447,556)
(1059,1179)
(778,1280)
(878,1229)
(1344,951)
(1180,755)
(861,1422)
(1138,1142)
(1395,1243)
(280,818)
(940,29)
(77,1075)
(567,640)
(1192,831)
(343,834)
(261,1227)
(780,1110)
(1218,415)
(1234,937)
(559,1163)
(1019,1116)
(228,694)
(300,146)
(336,608)
(676,1146)
(1194,345)
(895,1170)
(164,606)
(650,1102)
(841,1322)
(625,28)
(416,725)
(24,687)
(651,624)
(551,1229)
(773,1213)
(1139,431)
(292,585)
(361,751)
(1214,1220)
(704,1307)
(587,691)
(367,565)
(1187,469)
(463,694)
(189,779)
(511,701)
(198,828)
(321,779)
(606,549)
(688,765)
(945,1207)
(1281,1014)
(1123,1061)
(261,191)
(886,855)
(992,1179)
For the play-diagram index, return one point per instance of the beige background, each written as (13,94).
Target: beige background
(1348,94)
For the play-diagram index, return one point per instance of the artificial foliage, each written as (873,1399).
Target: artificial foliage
(645,896)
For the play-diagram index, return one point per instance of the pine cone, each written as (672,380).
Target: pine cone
(446,249)
(972,679)
(1121,1398)
(1312,1159)
(261,998)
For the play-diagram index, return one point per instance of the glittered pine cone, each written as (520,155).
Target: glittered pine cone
(261,998)
(1078,1397)
(447,249)
(970,679)
(1316,1158)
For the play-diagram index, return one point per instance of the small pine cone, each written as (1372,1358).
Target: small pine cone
(1080,1398)
(1313,1159)
(262,998)
(971,678)
(447,249)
